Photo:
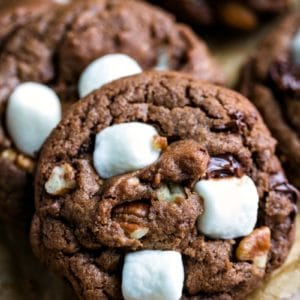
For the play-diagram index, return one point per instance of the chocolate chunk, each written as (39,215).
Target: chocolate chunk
(224,166)
(279,183)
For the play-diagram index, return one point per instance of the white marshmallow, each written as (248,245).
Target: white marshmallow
(106,69)
(62,1)
(163,63)
(33,110)
(296,48)
(124,147)
(153,275)
(230,207)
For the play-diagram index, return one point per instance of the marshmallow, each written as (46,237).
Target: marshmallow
(62,1)
(163,63)
(230,207)
(105,69)
(125,147)
(296,48)
(33,110)
(153,275)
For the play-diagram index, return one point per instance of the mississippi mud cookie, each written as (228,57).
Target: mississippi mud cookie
(62,52)
(239,14)
(271,79)
(159,186)
(16,13)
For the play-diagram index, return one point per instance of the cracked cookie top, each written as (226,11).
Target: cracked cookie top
(212,159)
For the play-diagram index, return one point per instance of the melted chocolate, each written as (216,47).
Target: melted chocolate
(286,77)
(227,127)
(224,166)
(278,183)
(236,125)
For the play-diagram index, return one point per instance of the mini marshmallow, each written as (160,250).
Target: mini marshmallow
(62,1)
(163,63)
(230,207)
(106,69)
(125,147)
(152,275)
(33,110)
(296,48)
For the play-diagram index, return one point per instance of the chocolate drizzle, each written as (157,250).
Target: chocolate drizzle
(224,166)
(278,183)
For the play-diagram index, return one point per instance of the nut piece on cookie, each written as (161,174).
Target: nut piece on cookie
(255,247)
(61,180)
(125,147)
(152,274)
(105,69)
(134,231)
(230,207)
(170,193)
(33,110)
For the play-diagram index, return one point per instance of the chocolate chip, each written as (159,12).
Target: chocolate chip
(224,166)
(279,183)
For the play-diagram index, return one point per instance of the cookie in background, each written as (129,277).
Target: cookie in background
(51,61)
(238,14)
(271,80)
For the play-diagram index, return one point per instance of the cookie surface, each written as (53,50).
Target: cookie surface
(271,79)
(59,46)
(243,15)
(16,13)
(85,225)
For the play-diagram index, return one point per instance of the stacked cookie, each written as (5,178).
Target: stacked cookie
(156,184)
(54,49)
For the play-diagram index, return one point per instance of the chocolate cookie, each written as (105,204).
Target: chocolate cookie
(54,50)
(159,186)
(16,13)
(239,14)
(271,79)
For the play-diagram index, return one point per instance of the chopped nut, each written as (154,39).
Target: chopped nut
(9,154)
(238,16)
(255,247)
(140,210)
(134,231)
(157,179)
(25,163)
(134,181)
(61,180)
(170,193)
(160,142)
